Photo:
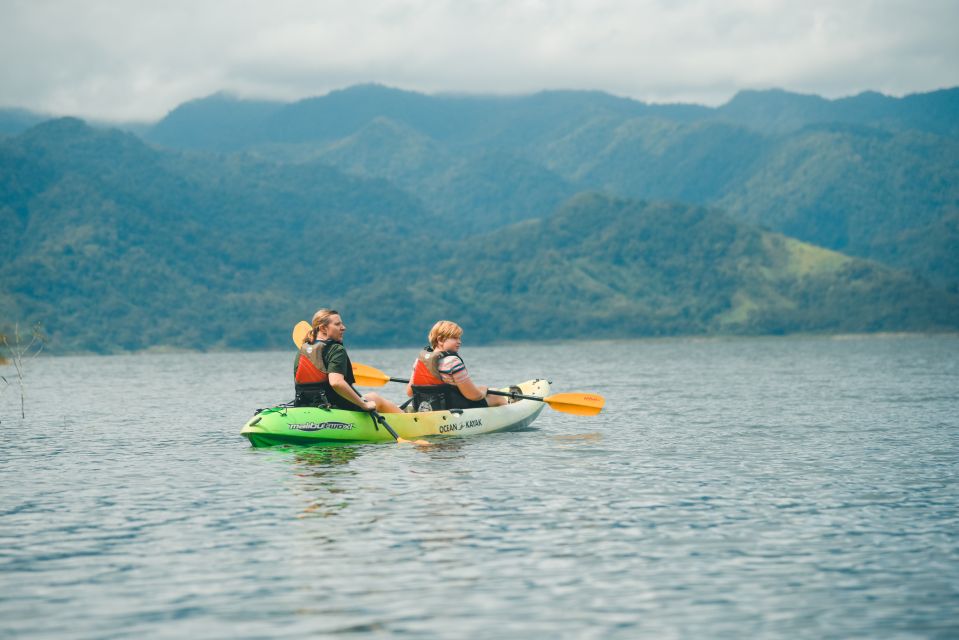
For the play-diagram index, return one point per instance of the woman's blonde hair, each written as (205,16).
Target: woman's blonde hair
(442,330)
(320,319)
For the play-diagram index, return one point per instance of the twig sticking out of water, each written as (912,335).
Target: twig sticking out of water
(18,352)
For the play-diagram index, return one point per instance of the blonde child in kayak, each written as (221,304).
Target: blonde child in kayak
(440,379)
(323,373)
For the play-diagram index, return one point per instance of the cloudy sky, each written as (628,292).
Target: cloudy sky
(137,59)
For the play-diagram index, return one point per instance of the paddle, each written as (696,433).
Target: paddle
(580,404)
(299,335)
(299,332)
(376,416)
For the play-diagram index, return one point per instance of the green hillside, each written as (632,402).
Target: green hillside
(868,192)
(604,268)
(116,246)
(113,245)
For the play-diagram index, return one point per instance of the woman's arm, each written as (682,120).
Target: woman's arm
(342,387)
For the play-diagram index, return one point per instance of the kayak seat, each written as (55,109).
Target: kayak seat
(440,397)
(311,398)
(429,398)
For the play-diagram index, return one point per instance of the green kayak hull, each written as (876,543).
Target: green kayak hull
(312,425)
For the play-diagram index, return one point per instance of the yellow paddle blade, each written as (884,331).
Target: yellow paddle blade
(367,376)
(580,404)
(299,332)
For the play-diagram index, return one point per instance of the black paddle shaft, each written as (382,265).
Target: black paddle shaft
(377,417)
(489,391)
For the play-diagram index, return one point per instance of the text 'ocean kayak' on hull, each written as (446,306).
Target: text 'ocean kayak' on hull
(312,425)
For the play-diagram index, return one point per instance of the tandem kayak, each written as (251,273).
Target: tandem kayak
(313,425)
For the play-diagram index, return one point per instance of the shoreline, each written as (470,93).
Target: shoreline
(883,335)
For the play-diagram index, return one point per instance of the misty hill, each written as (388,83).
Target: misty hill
(463,120)
(114,245)
(217,122)
(781,111)
(460,121)
(13,121)
(870,175)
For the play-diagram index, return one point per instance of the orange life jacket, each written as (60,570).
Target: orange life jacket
(426,370)
(312,379)
(311,369)
(430,393)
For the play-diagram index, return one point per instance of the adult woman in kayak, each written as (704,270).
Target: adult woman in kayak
(323,373)
(440,379)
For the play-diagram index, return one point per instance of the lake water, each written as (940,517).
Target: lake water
(787,487)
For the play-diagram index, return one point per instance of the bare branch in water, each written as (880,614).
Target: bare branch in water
(18,352)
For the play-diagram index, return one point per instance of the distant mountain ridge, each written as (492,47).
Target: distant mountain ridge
(224,121)
(775,110)
(215,122)
(871,175)
(456,118)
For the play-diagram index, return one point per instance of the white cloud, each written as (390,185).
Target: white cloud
(138,59)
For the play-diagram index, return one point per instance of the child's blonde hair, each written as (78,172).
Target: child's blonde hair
(443,330)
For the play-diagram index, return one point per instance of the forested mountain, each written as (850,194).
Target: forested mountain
(870,175)
(603,268)
(116,245)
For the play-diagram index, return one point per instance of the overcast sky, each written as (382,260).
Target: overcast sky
(138,59)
